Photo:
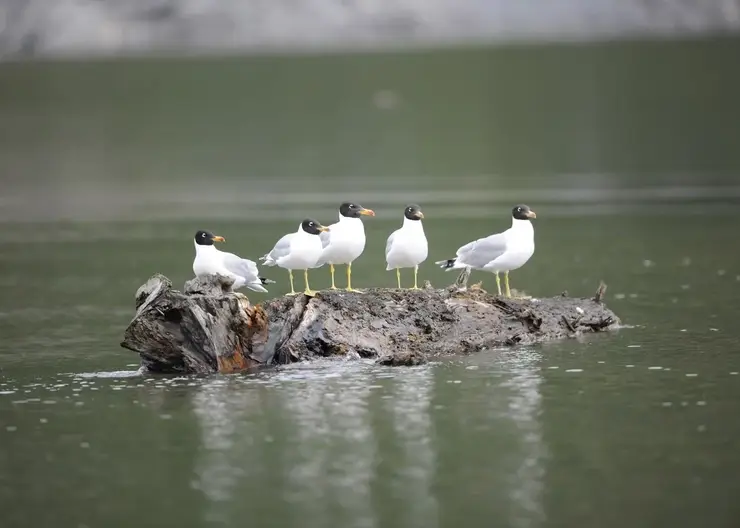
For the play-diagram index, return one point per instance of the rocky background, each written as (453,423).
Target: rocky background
(85,28)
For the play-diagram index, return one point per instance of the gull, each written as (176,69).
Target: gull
(209,260)
(345,240)
(298,250)
(407,247)
(505,251)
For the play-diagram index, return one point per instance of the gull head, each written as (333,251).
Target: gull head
(206,238)
(352,210)
(413,212)
(523,212)
(313,227)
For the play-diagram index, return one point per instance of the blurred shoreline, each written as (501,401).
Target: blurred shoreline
(256,202)
(39,29)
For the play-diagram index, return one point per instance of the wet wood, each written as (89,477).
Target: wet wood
(207,328)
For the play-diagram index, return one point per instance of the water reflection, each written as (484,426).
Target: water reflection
(524,408)
(220,410)
(355,445)
(333,461)
(411,414)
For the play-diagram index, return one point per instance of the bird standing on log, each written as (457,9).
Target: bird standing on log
(504,251)
(209,260)
(407,247)
(298,250)
(345,240)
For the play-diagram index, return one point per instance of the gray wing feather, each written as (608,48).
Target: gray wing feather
(389,244)
(242,267)
(282,248)
(479,253)
(325,237)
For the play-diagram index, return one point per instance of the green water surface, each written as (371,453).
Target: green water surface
(629,155)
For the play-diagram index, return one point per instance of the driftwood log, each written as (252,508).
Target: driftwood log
(208,328)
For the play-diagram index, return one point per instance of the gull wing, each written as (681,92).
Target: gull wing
(242,267)
(389,243)
(479,253)
(325,236)
(281,249)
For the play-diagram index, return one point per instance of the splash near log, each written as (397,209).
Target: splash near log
(207,328)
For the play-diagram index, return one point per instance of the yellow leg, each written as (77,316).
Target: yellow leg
(506,280)
(331,269)
(308,290)
(416,272)
(292,290)
(498,283)
(349,279)
(398,277)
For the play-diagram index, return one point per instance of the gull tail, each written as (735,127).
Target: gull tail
(448,264)
(256,286)
(267,260)
(264,280)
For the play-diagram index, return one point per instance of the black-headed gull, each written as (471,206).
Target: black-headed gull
(298,250)
(209,260)
(345,240)
(407,247)
(504,251)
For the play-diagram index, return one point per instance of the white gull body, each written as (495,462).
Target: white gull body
(298,250)
(345,239)
(505,251)
(406,247)
(501,252)
(209,260)
(343,243)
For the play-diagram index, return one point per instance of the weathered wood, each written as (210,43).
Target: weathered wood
(208,328)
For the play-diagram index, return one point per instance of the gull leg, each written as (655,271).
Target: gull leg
(398,277)
(349,279)
(331,269)
(290,274)
(498,283)
(506,280)
(416,272)
(308,290)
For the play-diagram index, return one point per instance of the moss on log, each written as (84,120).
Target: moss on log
(208,328)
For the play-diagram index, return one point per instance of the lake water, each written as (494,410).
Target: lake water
(628,154)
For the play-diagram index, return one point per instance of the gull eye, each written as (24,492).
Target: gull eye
(203,235)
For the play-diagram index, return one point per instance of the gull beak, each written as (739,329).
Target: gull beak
(323,229)
(419,215)
(219,239)
(531,214)
(367,212)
